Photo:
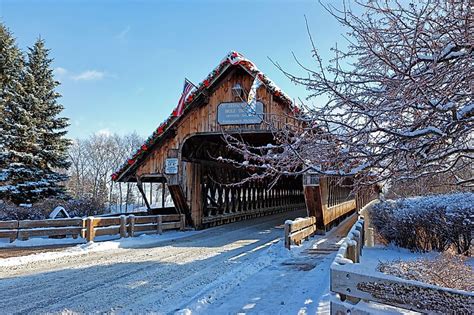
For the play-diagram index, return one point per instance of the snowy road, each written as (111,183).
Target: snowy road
(227,269)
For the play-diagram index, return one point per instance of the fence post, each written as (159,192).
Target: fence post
(370,237)
(159,224)
(183,222)
(123,226)
(360,242)
(131,226)
(351,252)
(287,235)
(90,231)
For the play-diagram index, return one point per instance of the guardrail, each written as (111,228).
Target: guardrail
(299,229)
(91,227)
(352,284)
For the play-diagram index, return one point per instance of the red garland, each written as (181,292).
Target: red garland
(206,83)
(144,147)
(131,161)
(114,176)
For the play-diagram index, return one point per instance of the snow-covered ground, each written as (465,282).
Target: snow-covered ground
(237,268)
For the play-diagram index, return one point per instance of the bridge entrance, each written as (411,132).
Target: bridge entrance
(189,154)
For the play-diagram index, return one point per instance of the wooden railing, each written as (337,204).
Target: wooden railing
(298,230)
(91,227)
(249,214)
(352,284)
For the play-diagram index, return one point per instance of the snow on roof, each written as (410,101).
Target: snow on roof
(233,58)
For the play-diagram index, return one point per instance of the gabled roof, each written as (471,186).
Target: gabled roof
(231,59)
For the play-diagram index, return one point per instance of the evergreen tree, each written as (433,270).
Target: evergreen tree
(43,100)
(32,145)
(20,172)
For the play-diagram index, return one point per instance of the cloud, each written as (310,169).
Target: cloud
(123,33)
(89,75)
(59,71)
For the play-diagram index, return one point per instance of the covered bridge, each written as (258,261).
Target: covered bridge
(183,152)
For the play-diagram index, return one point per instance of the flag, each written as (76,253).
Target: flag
(188,87)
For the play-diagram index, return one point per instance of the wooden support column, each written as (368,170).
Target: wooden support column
(313,195)
(196,194)
(151,193)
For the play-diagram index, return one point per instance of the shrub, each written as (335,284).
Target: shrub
(41,210)
(426,223)
(447,270)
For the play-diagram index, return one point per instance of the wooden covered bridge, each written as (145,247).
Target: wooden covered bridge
(183,153)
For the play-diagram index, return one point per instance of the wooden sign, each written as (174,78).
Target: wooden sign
(239,113)
(171,166)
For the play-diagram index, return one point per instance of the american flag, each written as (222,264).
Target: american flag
(188,86)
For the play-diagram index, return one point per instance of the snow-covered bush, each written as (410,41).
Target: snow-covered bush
(438,222)
(447,270)
(10,211)
(41,210)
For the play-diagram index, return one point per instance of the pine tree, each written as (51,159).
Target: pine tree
(43,100)
(20,171)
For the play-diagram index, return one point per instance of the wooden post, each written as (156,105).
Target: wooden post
(360,242)
(14,237)
(123,226)
(90,231)
(131,226)
(287,236)
(151,193)
(351,252)
(194,172)
(159,224)
(370,237)
(183,222)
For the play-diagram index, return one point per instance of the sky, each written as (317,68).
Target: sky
(122,64)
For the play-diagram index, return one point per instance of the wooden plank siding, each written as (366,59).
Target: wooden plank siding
(200,119)
(203,119)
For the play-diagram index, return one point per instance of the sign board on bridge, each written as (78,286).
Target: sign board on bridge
(239,113)
(171,166)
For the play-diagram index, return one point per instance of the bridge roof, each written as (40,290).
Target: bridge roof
(232,59)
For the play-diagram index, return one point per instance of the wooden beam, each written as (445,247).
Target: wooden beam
(140,188)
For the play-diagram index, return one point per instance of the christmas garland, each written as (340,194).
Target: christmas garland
(233,58)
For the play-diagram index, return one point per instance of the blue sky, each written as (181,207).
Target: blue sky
(122,63)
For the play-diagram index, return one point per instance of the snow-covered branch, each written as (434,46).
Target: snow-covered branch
(399,98)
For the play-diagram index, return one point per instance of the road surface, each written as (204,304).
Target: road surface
(198,273)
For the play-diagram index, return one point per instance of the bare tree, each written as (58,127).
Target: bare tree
(93,160)
(398,101)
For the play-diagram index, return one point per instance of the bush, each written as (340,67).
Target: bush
(426,223)
(41,210)
(447,270)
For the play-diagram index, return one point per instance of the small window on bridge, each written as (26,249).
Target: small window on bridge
(311,179)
